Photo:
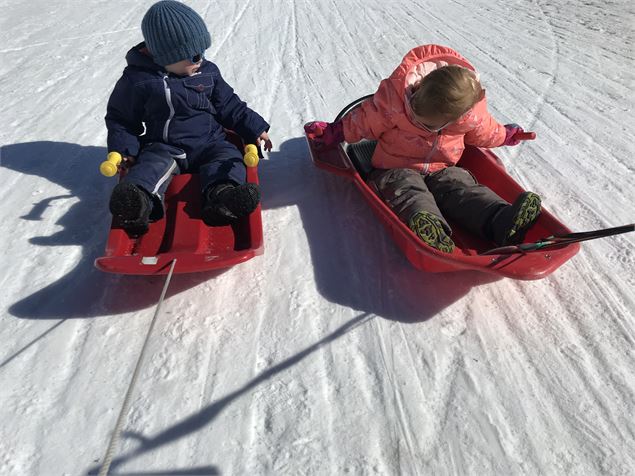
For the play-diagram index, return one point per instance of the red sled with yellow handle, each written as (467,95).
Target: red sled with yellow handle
(181,233)
(353,162)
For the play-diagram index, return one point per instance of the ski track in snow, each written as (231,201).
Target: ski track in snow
(329,354)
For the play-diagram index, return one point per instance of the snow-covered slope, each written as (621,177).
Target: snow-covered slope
(329,354)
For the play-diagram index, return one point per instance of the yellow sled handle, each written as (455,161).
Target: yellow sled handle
(251,155)
(110,166)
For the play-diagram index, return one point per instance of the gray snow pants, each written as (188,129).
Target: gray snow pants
(451,193)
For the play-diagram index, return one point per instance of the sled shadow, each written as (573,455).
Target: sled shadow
(84,291)
(355,262)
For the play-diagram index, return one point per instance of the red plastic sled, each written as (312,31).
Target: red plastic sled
(183,236)
(352,161)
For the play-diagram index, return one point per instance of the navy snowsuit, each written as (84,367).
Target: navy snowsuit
(184,117)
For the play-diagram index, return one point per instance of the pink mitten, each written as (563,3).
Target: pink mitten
(510,131)
(325,134)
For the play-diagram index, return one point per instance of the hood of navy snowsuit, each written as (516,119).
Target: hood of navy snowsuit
(188,112)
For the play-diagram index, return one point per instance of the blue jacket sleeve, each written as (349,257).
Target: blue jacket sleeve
(124,115)
(233,113)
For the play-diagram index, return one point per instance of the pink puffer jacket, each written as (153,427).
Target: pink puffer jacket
(386,117)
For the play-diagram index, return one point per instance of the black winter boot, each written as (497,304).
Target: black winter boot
(430,229)
(130,206)
(511,223)
(226,203)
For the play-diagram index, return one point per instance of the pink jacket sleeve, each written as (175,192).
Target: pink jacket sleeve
(373,117)
(488,132)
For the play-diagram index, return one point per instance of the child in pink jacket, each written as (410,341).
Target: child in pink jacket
(422,116)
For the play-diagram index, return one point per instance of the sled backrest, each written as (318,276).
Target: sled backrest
(361,154)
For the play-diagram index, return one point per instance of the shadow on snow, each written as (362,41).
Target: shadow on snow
(354,262)
(206,416)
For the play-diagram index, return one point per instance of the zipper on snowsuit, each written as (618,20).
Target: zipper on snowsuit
(168,98)
(435,143)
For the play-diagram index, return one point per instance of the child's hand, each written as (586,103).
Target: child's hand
(325,134)
(514,134)
(127,162)
(315,129)
(265,137)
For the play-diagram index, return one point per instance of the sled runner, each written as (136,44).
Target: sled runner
(353,161)
(182,235)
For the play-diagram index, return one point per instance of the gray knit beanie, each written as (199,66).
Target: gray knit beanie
(174,32)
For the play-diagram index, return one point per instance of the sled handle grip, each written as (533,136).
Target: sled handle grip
(110,166)
(525,135)
(251,155)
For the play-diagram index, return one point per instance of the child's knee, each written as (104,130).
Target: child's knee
(452,175)
(163,152)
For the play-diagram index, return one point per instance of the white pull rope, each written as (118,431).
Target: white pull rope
(114,439)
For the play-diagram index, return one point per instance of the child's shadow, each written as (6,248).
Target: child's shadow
(354,260)
(84,291)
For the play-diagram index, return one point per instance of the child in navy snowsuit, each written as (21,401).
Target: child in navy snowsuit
(166,116)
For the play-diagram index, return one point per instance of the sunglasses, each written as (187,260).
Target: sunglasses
(196,59)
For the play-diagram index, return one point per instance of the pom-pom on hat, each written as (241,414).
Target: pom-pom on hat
(174,32)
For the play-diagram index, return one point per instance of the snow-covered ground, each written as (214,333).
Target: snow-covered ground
(329,354)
